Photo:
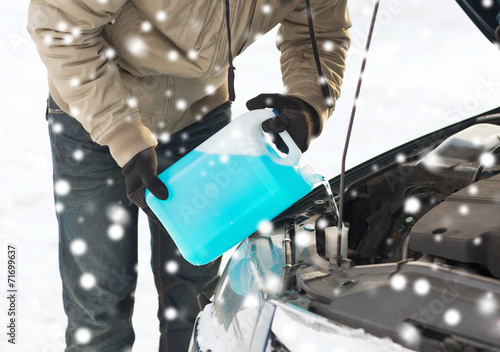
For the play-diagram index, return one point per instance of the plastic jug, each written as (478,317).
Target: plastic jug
(222,191)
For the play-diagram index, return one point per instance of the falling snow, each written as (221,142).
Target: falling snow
(87,281)
(265,227)
(146,26)
(137,47)
(173,55)
(116,232)
(487,159)
(164,137)
(171,313)
(118,214)
(181,104)
(110,53)
(161,16)
(487,304)
(422,287)
(452,317)
(62,188)
(172,267)
(83,336)
(328,45)
(398,282)
(78,247)
(78,155)
(412,205)
(409,334)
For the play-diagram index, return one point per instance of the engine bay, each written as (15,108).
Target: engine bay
(424,240)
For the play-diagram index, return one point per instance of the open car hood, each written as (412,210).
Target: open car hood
(485,15)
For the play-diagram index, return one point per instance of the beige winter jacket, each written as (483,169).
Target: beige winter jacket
(132,70)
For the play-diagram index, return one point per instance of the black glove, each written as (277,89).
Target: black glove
(295,115)
(141,173)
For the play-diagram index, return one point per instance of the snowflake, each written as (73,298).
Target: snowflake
(168,93)
(192,54)
(185,136)
(146,26)
(251,301)
(170,313)
(173,55)
(83,335)
(328,45)
(422,287)
(103,1)
(409,334)
(273,283)
(118,214)
(59,207)
(398,282)
(473,190)
(47,40)
(266,9)
(412,205)
(78,247)
(210,89)
(74,82)
(62,187)
(487,304)
(110,53)
(164,137)
(76,32)
(172,267)
(68,39)
(116,232)
(487,3)
(87,281)
(137,47)
(400,158)
(161,16)
(487,159)
(452,317)
(110,182)
(477,241)
(224,159)
(181,104)
(78,155)
(302,239)
(62,26)
(265,227)
(132,102)
(438,238)
(463,210)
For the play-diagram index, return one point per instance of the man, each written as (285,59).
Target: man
(134,86)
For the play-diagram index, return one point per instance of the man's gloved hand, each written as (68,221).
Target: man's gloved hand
(141,173)
(295,115)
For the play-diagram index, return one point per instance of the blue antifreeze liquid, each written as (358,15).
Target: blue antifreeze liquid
(216,201)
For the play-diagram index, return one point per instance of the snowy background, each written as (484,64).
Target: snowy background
(429,67)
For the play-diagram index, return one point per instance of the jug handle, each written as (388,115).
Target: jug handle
(294,153)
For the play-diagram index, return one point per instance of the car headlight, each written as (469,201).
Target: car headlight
(254,272)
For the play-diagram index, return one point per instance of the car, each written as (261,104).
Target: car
(422,268)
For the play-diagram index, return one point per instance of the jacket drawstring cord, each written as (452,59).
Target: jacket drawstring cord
(321,77)
(230,70)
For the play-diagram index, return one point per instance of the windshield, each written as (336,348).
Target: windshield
(429,66)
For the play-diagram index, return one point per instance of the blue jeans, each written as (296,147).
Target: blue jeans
(98,241)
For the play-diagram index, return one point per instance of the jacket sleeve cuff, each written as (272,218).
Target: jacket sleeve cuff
(310,92)
(127,139)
